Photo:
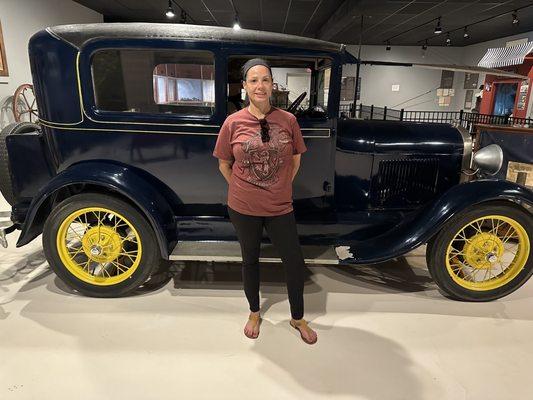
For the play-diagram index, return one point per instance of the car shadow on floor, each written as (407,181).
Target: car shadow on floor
(395,276)
(372,286)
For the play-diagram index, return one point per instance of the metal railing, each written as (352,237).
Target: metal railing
(466,119)
(345,110)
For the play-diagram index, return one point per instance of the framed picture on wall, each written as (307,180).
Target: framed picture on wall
(347,88)
(446,80)
(470,81)
(3,61)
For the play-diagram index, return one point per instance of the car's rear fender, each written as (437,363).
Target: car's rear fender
(112,178)
(428,222)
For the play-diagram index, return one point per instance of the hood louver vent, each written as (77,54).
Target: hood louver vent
(405,182)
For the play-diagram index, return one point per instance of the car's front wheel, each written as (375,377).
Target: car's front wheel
(483,253)
(99,245)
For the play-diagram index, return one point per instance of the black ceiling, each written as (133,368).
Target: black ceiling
(402,22)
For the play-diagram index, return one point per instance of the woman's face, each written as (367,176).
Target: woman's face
(258,85)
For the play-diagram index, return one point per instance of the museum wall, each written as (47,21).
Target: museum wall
(20,19)
(377,81)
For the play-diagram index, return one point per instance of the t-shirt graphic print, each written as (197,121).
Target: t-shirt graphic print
(262,161)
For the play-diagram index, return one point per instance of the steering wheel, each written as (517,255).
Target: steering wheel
(294,106)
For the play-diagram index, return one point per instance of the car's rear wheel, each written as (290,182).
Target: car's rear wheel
(100,245)
(483,253)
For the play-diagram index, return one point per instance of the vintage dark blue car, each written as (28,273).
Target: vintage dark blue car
(118,175)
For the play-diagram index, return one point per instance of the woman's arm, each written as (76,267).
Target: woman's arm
(225,168)
(295,164)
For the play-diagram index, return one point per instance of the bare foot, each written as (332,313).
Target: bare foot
(308,335)
(251,329)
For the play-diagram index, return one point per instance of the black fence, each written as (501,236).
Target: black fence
(466,119)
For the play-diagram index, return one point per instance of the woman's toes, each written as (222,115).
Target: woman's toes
(309,334)
(251,329)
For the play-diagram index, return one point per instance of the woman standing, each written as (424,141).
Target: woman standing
(259,150)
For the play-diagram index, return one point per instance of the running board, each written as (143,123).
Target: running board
(217,251)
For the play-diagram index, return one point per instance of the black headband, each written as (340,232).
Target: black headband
(252,63)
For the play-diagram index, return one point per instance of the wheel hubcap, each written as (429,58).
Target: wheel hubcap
(482,247)
(101,244)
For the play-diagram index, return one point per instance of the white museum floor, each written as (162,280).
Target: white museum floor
(385,332)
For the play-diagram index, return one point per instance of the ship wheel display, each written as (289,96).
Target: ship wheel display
(24,105)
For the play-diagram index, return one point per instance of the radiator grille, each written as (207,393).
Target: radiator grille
(405,182)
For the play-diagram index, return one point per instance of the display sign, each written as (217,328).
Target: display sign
(445,101)
(521,173)
(522,96)
(3,60)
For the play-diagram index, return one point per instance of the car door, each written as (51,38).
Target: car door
(155,106)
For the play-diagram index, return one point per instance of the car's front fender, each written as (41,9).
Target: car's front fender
(116,178)
(410,234)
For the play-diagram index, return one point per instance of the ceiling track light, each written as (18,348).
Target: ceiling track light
(448,40)
(516,21)
(438,28)
(425,45)
(466,35)
(388,46)
(170,10)
(236,23)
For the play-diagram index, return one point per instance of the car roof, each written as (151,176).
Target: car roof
(78,34)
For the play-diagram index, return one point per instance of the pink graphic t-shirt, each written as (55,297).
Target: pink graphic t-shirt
(261,179)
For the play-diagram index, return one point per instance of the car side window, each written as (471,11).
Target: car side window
(154,81)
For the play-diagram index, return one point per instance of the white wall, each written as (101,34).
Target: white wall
(376,81)
(20,20)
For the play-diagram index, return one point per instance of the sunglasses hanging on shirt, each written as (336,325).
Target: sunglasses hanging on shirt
(265,137)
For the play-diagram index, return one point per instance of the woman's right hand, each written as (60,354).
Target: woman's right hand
(225,168)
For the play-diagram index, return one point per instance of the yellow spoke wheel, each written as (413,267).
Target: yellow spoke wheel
(487,253)
(99,246)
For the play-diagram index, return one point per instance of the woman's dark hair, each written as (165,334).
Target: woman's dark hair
(252,63)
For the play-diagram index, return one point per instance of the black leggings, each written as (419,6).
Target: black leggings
(282,232)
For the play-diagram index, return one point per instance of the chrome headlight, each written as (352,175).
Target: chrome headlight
(489,159)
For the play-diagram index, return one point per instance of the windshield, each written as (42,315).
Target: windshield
(299,84)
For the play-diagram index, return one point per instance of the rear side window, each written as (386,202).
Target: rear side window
(154,81)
